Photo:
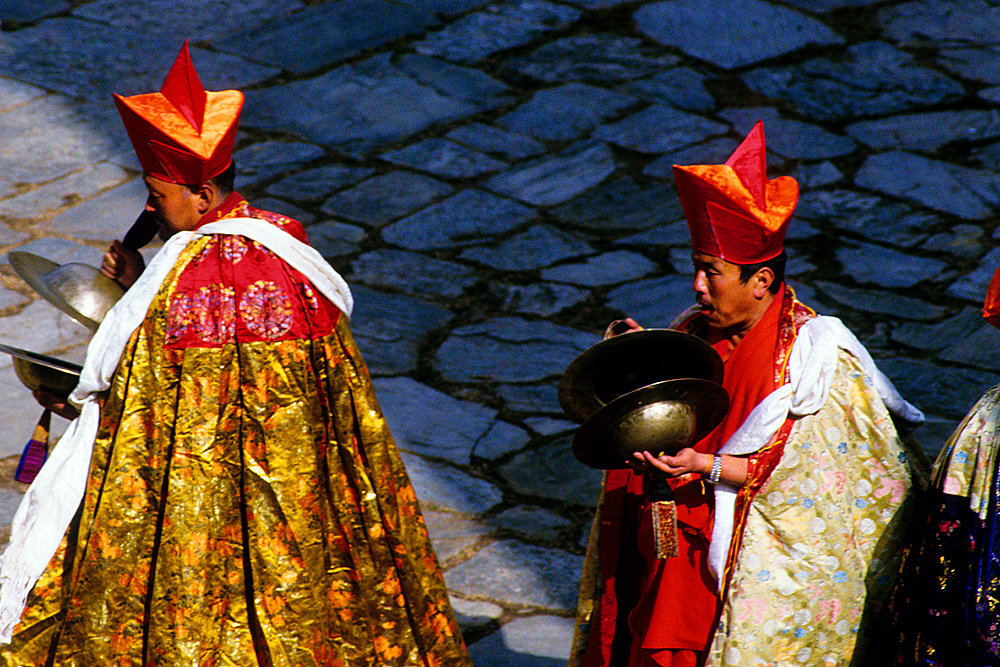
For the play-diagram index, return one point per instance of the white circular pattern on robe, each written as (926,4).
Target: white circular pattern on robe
(817,525)
(798,551)
(791,459)
(770,627)
(832,434)
(842,627)
(733,655)
(786,587)
(804,654)
(866,526)
(862,488)
(808,486)
(753,562)
(776,497)
(832,562)
(802,616)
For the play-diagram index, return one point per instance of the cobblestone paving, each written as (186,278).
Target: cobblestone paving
(493,178)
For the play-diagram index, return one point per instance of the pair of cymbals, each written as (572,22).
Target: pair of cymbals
(655,390)
(40,371)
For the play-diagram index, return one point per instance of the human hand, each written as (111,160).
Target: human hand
(122,264)
(60,406)
(619,327)
(685,461)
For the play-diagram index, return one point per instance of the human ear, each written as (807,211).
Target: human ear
(763,280)
(206,198)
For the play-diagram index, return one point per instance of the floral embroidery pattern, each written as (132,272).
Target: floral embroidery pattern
(209,314)
(266,310)
(233,248)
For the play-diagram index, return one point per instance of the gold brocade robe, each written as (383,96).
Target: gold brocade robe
(246,503)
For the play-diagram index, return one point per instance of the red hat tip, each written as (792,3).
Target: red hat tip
(749,161)
(183,89)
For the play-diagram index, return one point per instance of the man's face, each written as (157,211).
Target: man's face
(727,304)
(175,207)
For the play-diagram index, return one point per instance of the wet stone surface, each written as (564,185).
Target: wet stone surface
(494,180)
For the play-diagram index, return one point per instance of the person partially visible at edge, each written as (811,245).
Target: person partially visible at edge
(230,493)
(945,608)
(782,510)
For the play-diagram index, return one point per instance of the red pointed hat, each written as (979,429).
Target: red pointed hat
(733,211)
(182,134)
(991,307)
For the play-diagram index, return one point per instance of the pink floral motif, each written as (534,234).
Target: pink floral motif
(266,310)
(215,310)
(309,296)
(233,247)
(180,316)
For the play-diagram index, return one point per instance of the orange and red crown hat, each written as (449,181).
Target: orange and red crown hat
(182,134)
(733,211)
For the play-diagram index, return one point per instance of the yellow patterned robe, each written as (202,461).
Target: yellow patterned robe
(815,543)
(246,503)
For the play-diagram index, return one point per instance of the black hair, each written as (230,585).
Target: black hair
(224,181)
(777,266)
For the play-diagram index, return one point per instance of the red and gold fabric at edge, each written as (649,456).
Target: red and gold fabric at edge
(246,503)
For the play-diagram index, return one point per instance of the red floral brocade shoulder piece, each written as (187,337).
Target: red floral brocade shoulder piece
(235,290)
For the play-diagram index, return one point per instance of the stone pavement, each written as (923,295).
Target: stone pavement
(493,179)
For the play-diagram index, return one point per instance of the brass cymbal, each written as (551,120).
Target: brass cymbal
(661,417)
(78,290)
(40,371)
(624,363)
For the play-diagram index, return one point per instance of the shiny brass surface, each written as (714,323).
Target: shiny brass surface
(40,371)
(78,290)
(619,365)
(661,417)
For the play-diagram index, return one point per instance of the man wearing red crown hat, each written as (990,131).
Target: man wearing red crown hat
(782,510)
(944,609)
(229,493)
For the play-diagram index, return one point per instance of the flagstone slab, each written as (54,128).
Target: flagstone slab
(973,284)
(431,423)
(325,34)
(500,440)
(815,175)
(539,246)
(502,26)
(534,398)
(868,263)
(596,58)
(609,268)
(452,535)
(468,217)
(552,180)
(533,523)
(27,11)
(444,158)
(54,196)
(83,59)
(659,129)
(103,218)
(790,138)
(412,273)
(335,239)
(538,298)
(384,198)
(622,204)
(653,302)
(981,63)
(680,87)
(491,139)
(52,136)
(933,388)
(443,488)
(867,215)
(461,83)
(967,193)
(729,33)
(928,22)
(40,328)
(823,6)
(962,241)
(391,328)
(187,18)
(315,185)
(880,302)
(533,641)
(474,613)
(513,573)
(713,151)
(446,7)
(934,337)
(928,131)
(14,93)
(263,160)
(566,112)
(509,349)
(358,107)
(551,471)
(870,79)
